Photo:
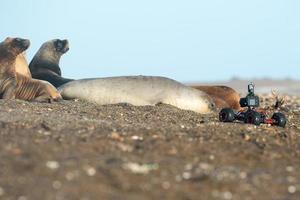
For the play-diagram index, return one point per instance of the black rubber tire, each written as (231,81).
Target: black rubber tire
(253,118)
(280,119)
(226,115)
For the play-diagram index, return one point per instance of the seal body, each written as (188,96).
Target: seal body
(223,96)
(45,63)
(15,85)
(138,91)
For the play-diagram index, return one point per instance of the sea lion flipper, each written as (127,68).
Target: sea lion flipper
(43,99)
(46,99)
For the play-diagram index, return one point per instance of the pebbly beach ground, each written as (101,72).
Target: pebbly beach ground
(79,150)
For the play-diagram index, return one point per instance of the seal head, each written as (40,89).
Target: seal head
(10,48)
(45,63)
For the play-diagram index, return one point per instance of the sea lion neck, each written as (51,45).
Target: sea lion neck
(6,55)
(7,62)
(49,57)
(38,64)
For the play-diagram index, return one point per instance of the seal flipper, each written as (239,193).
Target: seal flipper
(43,99)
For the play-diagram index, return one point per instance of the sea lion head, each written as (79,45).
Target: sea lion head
(53,49)
(12,47)
(48,56)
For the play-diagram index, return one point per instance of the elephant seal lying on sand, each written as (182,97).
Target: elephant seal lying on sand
(17,86)
(138,91)
(45,63)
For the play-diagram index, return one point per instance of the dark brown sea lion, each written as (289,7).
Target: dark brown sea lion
(17,86)
(45,63)
(223,96)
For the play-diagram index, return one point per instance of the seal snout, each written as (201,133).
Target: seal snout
(22,43)
(58,98)
(25,43)
(66,45)
(61,46)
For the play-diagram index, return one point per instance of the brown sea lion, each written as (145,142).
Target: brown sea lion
(45,63)
(223,96)
(22,65)
(17,86)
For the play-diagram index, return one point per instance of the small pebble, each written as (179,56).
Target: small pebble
(227,195)
(56,185)
(289,168)
(90,171)
(186,175)
(52,165)
(137,168)
(46,133)
(292,189)
(136,137)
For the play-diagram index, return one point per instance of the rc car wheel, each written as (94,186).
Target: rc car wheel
(226,115)
(253,118)
(280,119)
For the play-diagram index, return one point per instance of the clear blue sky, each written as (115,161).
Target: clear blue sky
(190,40)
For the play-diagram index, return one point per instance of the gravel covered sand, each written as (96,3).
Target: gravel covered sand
(78,150)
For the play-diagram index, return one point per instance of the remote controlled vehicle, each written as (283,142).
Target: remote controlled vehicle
(251,115)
